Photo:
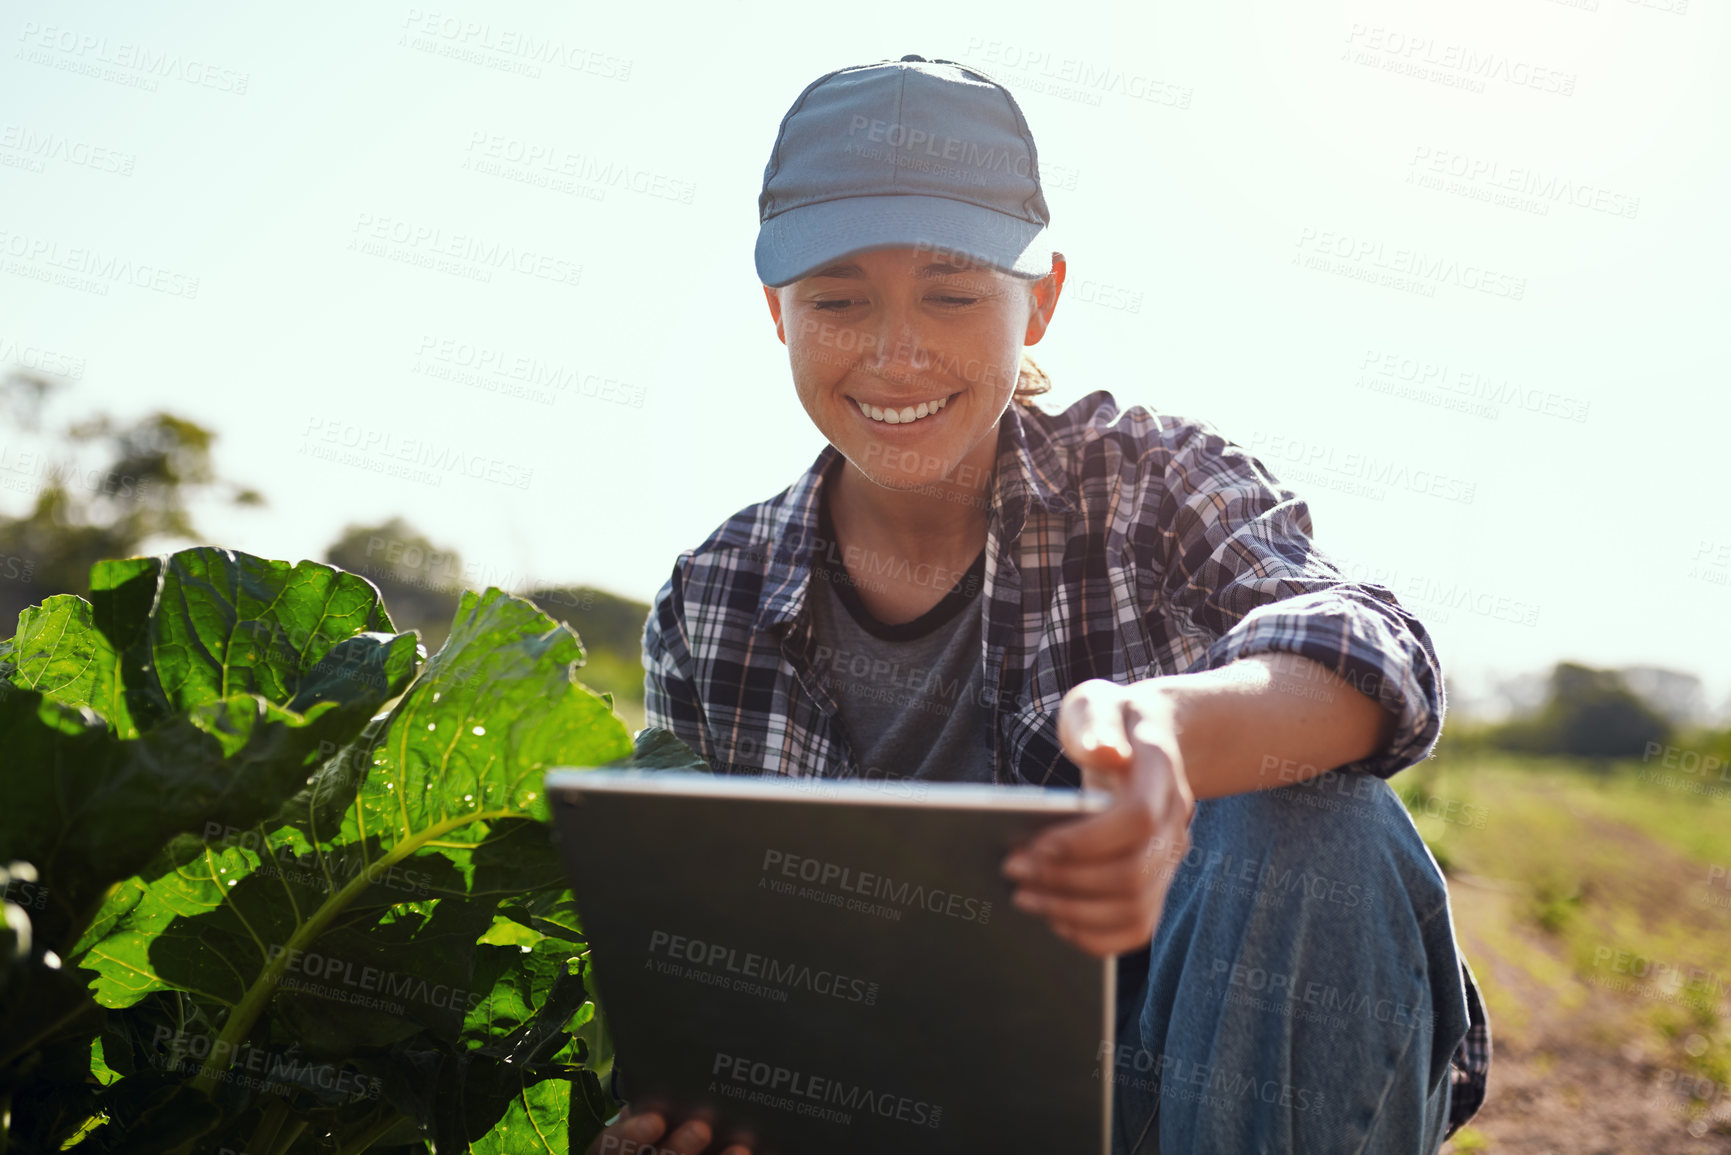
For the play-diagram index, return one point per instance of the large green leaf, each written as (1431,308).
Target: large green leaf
(656,748)
(452,772)
(59,651)
(492,711)
(203,766)
(222,623)
(536,1121)
(223,680)
(88,809)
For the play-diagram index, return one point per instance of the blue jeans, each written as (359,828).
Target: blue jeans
(1302,992)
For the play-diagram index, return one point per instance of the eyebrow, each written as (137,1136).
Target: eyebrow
(934,269)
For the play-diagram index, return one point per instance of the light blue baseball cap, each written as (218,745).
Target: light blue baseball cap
(927,153)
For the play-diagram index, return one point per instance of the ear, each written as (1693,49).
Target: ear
(1043,300)
(773,296)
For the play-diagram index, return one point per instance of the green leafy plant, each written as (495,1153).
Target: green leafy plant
(292,884)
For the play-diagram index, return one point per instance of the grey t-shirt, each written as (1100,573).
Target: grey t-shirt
(910,693)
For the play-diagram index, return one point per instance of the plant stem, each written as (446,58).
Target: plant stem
(264,1135)
(258,996)
(287,1139)
(371,1135)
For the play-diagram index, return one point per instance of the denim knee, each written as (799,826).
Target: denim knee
(1306,952)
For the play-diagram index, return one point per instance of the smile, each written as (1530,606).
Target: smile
(906,415)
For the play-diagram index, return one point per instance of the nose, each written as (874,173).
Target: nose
(896,347)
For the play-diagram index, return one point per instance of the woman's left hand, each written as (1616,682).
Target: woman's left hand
(1101,881)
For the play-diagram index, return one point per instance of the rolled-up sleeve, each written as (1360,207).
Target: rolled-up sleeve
(670,698)
(1240,565)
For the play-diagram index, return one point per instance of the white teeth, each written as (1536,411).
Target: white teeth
(905,415)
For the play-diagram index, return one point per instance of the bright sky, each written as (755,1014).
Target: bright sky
(1408,254)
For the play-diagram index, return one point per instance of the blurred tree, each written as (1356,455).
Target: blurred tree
(1589,713)
(1680,697)
(102,489)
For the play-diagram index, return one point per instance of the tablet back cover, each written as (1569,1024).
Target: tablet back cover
(836,970)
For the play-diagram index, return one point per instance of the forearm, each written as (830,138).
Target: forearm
(1269,720)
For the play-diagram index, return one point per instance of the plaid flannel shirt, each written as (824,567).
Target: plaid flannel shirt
(1119,545)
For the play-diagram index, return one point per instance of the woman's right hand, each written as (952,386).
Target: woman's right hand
(640,1134)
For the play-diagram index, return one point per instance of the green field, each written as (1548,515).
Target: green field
(1593,902)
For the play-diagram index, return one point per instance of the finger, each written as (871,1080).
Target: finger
(1124,828)
(1125,875)
(1101,944)
(643,1127)
(691,1138)
(1091,726)
(1152,796)
(1119,913)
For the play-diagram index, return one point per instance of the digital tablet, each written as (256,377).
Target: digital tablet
(827,967)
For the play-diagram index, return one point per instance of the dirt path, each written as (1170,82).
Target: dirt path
(1572,1072)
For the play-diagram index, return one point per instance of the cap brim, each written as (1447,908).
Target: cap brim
(800,241)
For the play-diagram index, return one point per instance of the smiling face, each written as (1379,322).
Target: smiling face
(905,358)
